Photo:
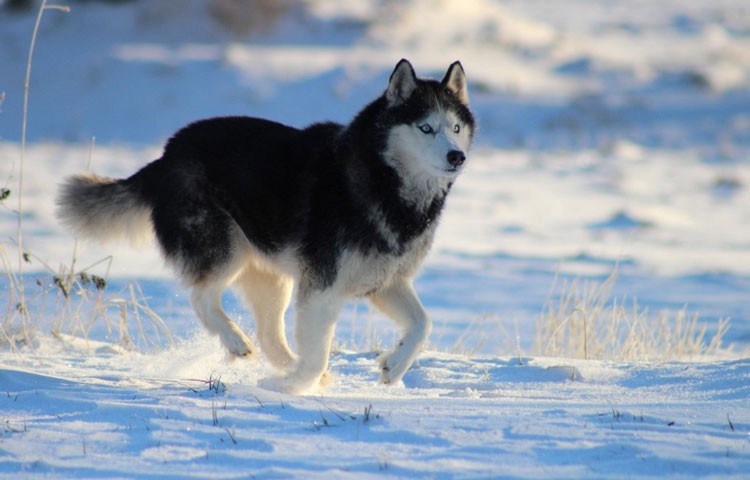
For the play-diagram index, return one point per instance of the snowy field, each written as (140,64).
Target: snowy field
(614,136)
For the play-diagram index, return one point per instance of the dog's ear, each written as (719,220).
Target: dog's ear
(455,81)
(402,83)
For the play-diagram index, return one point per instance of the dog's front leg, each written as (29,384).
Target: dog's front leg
(399,301)
(317,312)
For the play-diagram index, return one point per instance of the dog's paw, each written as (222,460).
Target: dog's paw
(294,385)
(247,356)
(392,368)
(245,352)
(280,384)
(326,379)
(385,371)
(239,346)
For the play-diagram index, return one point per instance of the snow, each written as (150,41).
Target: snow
(478,417)
(613,135)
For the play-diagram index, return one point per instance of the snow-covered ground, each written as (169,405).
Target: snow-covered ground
(612,135)
(105,414)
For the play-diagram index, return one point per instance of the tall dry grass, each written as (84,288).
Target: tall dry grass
(586,322)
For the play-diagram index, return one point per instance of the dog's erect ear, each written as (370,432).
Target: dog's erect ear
(455,81)
(402,83)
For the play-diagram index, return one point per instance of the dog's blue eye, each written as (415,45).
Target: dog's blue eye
(456,128)
(426,128)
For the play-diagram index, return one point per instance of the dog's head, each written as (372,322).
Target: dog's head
(431,125)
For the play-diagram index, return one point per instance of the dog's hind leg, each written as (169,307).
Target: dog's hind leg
(316,320)
(399,301)
(206,299)
(202,242)
(269,294)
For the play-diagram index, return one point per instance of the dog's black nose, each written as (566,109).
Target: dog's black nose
(456,157)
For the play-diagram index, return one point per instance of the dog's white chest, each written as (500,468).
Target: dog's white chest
(362,273)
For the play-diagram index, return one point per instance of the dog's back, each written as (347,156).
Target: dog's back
(214,176)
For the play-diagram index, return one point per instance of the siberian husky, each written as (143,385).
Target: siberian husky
(323,214)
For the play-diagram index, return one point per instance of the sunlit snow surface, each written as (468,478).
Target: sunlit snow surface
(611,133)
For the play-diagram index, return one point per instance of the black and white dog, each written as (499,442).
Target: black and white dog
(328,212)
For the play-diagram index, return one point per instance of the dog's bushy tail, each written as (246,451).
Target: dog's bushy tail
(104,209)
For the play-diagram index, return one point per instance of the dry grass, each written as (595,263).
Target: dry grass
(67,301)
(587,323)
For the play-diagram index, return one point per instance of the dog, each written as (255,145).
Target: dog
(325,213)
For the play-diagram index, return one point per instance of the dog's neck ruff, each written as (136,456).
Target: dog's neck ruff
(406,211)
